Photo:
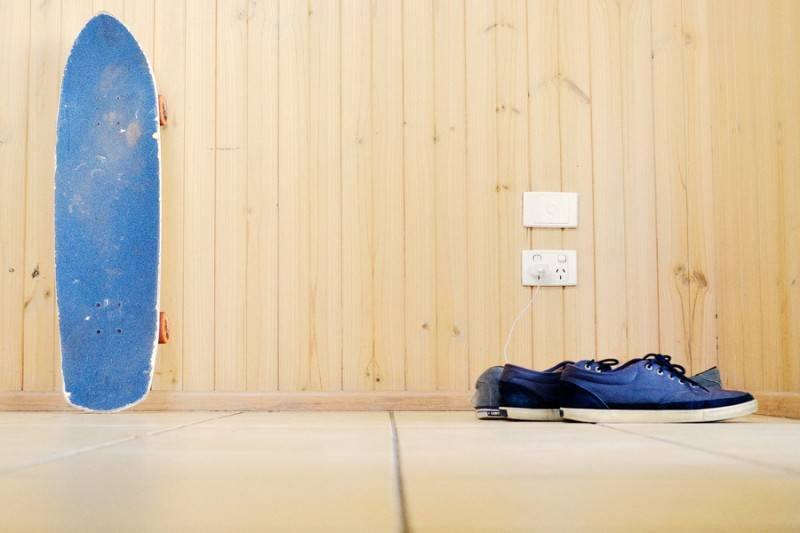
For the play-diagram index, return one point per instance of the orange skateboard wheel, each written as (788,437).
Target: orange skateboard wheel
(163,328)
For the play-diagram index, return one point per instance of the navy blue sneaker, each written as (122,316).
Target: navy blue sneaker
(651,389)
(531,395)
(486,398)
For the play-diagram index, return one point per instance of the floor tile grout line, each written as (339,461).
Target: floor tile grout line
(107,444)
(726,455)
(398,475)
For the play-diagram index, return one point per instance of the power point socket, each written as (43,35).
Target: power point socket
(549,268)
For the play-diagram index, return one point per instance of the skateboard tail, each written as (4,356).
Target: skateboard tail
(137,392)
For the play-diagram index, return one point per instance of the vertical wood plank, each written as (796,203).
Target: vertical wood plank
(670,116)
(388,194)
(359,365)
(450,191)
(293,190)
(734,222)
(39,302)
(609,185)
(485,344)
(748,224)
(788,149)
(199,213)
(768,184)
(262,196)
(230,262)
(639,180)
(14,49)
(169,58)
(512,171)
(544,80)
(324,130)
(702,343)
(575,102)
(420,190)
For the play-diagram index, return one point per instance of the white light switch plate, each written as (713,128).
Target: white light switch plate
(550,209)
(549,268)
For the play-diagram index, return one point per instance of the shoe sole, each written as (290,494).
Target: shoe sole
(536,415)
(491,414)
(622,416)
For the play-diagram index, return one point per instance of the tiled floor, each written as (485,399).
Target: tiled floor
(373,472)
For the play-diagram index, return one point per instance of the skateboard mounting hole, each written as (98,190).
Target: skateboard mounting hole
(97,304)
(98,332)
(119,330)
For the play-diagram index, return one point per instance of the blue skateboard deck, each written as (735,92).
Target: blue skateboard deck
(107,219)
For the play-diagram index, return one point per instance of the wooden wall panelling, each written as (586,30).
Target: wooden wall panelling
(293,193)
(262,196)
(788,139)
(702,313)
(513,178)
(359,365)
(199,200)
(39,303)
(609,189)
(639,223)
(388,195)
(169,59)
(14,47)
(420,195)
(671,173)
(545,166)
(452,302)
(325,344)
(230,260)
(771,227)
(575,123)
(485,343)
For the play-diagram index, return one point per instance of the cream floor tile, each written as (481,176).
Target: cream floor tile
(30,438)
(249,472)
(464,475)
(762,439)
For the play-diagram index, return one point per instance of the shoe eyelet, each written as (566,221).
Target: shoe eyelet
(587,366)
(597,370)
(681,381)
(648,366)
(672,377)
(659,372)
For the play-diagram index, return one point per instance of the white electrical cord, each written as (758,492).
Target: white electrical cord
(520,315)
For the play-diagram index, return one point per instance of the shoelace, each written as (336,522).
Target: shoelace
(664,363)
(603,365)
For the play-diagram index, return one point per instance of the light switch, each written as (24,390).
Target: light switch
(550,209)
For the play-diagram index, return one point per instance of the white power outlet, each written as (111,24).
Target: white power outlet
(549,268)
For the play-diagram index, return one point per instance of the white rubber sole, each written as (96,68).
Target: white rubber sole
(622,416)
(490,414)
(537,415)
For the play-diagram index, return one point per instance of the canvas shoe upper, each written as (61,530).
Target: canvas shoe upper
(650,389)
(536,395)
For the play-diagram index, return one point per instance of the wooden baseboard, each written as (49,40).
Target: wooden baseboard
(785,404)
(259,401)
